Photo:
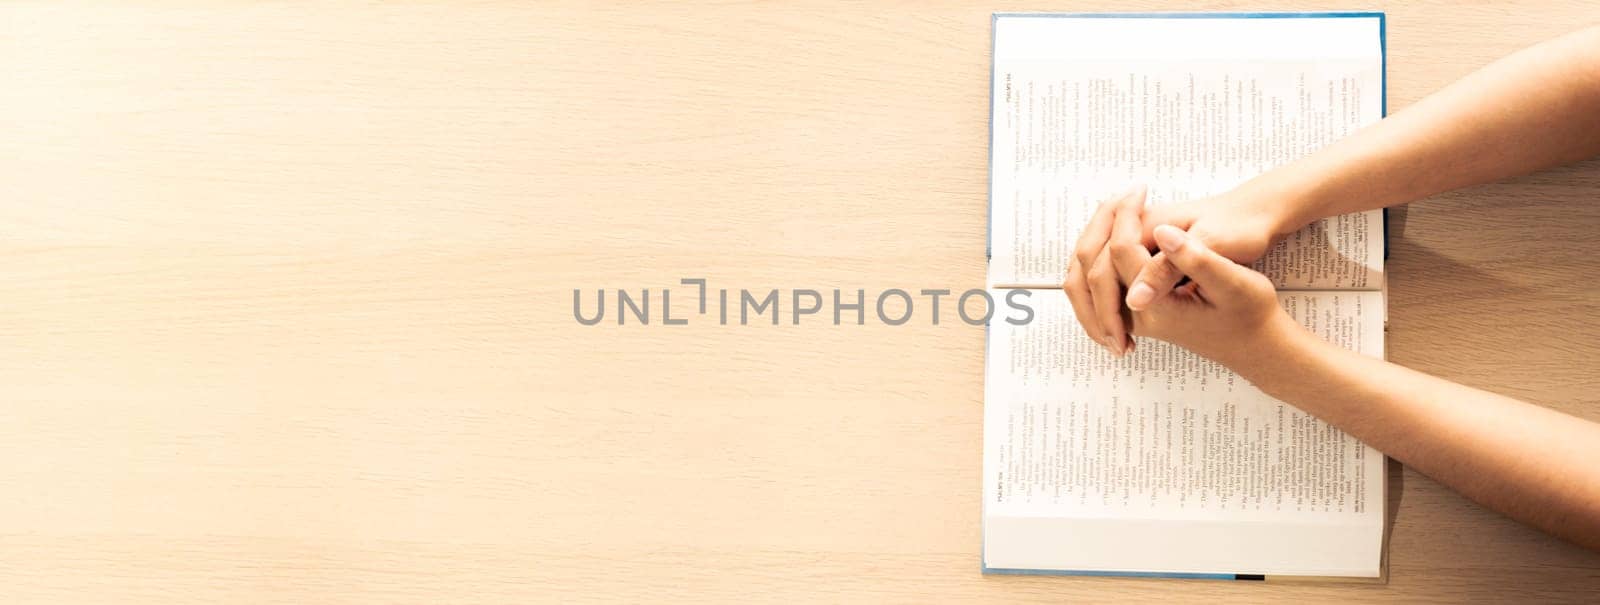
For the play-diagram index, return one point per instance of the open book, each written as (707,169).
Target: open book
(1163,462)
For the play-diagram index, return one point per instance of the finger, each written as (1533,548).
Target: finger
(1105,292)
(1092,240)
(1095,234)
(1158,277)
(1181,216)
(1212,272)
(1077,288)
(1090,245)
(1128,257)
(1128,254)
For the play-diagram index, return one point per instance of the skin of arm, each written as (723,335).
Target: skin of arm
(1534,109)
(1537,108)
(1533,464)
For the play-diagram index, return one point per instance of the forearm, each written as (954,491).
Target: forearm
(1533,464)
(1534,109)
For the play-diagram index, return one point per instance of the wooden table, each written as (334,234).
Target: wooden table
(285,304)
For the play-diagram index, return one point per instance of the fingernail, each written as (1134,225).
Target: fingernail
(1140,295)
(1170,238)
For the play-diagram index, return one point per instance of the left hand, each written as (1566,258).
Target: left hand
(1109,253)
(1112,262)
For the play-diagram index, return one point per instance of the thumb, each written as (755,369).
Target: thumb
(1180,215)
(1211,271)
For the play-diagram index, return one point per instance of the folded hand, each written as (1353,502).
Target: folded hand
(1113,264)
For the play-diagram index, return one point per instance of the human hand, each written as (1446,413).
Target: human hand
(1096,271)
(1114,251)
(1227,312)
(1240,225)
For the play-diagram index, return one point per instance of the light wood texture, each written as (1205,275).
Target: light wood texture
(285,304)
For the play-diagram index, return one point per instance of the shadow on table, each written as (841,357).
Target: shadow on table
(1395,488)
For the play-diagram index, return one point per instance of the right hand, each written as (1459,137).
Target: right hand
(1238,225)
(1112,257)
(1227,312)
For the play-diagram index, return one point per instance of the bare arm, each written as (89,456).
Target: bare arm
(1534,109)
(1535,465)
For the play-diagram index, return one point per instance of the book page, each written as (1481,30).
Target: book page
(1072,434)
(1082,108)
(1163,431)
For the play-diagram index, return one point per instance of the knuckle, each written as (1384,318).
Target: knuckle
(1085,255)
(1100,273)
(1165,272)
(1170,274)
(1075,288)
(1257,281)
(1124,249)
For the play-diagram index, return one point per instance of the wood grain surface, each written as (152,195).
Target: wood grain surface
(285,304)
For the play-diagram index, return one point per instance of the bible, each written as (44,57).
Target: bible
(1162,462)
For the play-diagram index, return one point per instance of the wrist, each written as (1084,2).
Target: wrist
(1285,202)
(1275,353)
